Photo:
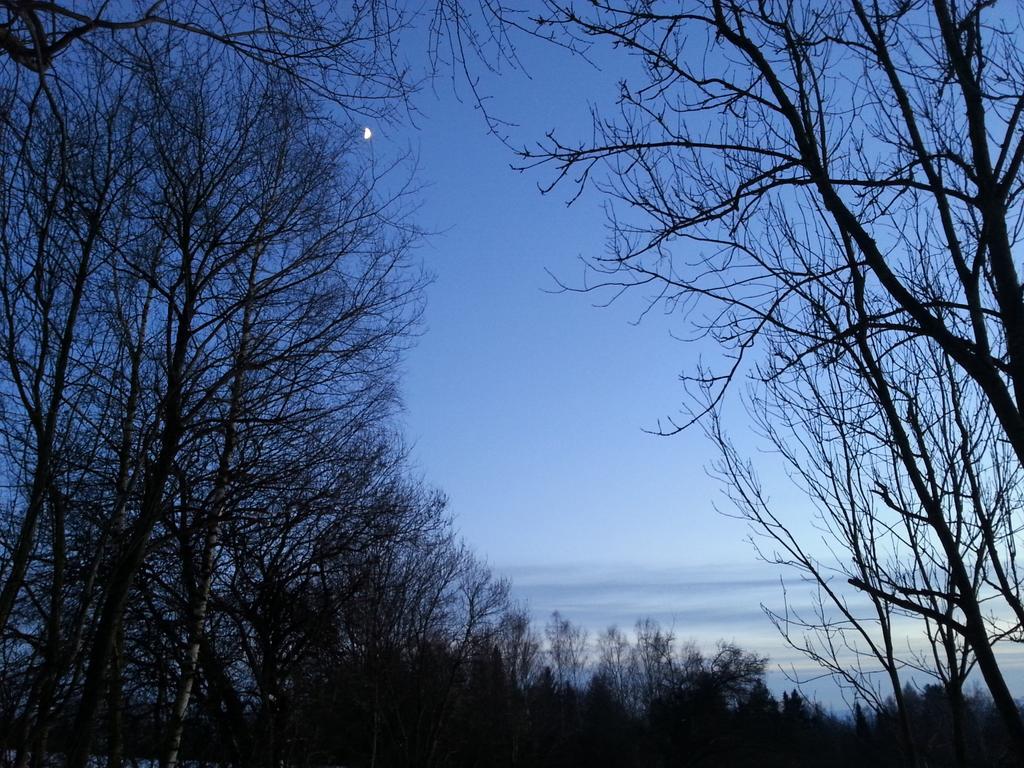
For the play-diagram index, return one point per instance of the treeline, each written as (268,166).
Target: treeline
(421,660)
(516,696)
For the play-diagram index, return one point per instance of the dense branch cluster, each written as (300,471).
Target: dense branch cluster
(203,300)
(345,55)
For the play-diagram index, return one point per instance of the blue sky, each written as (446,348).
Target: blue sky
(528,407)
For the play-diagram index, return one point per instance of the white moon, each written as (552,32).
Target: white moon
(367,134)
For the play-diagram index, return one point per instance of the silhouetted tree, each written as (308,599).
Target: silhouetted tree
(344,54)
(204,304)
(837,189)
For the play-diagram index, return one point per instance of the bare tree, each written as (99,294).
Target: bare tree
(64,205)
(845,176)
(829,424)
(271,323)
(200,304)
(520,649)
(566,651)
(422,608)
(341,53)
(618,664)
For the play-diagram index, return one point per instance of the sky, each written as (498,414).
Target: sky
(531,407)
(528,405)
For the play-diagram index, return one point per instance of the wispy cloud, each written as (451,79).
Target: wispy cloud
(701,602)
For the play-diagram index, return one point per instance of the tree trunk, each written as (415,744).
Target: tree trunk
(201,595)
